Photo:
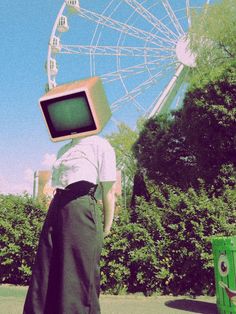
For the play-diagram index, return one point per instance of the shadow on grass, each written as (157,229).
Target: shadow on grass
(200,307)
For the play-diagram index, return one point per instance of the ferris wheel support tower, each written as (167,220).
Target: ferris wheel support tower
(186,59)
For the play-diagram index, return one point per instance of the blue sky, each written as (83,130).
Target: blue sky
(25,31)
(25,147)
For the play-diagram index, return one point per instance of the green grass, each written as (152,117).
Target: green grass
(12,291)
(12,299)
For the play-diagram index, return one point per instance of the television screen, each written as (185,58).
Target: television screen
(68,115)
(75,109)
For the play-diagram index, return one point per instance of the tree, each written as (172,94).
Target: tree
(162,152)
(197,141)
(208,120)
(122,141)
(213,41)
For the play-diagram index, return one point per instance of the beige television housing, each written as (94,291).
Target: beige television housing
(75,109)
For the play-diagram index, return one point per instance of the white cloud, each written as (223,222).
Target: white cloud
(3,185)
(48,160)
(29,175)
(26,182)
(7,187)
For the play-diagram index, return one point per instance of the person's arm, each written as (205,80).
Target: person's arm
(108,199)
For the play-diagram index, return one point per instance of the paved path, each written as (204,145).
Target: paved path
(11,302)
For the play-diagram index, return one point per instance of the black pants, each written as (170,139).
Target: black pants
(66,274)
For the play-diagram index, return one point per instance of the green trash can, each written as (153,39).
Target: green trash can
(224,253)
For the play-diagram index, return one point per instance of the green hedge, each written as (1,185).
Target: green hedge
(129,261)
(163,245)
(20,222)
(167,249)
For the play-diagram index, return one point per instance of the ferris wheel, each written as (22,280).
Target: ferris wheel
(139,48)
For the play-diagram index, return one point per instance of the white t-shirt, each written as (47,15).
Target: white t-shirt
(90,159)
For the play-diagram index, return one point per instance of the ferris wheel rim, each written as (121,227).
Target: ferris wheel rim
(51,77)
(49,45)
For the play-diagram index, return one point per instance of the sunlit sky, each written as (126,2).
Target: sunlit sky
(26,27)
(25,146)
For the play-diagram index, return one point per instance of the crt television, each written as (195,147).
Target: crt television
(75,109)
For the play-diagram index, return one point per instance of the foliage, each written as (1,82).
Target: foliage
(122,140)
(190,221)
(129,260)
(139,188)
(191,157)
(164,246)
(213,41)
(20,223)
(196,142)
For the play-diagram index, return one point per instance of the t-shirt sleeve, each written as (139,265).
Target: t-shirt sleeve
(107,164)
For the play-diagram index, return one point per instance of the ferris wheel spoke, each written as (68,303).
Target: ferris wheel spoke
(128,72)
(114,50)
(206,6)
(173,17)
(132,71)
(131,44)
(131,95)
(162,28)
(124,28)
(188,13)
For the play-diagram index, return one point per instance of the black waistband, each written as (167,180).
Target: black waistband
(79,188)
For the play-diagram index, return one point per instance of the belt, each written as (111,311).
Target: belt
(78,189)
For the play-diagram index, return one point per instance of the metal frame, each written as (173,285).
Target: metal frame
(158,51)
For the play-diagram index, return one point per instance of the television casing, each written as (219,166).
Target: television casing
(96,98)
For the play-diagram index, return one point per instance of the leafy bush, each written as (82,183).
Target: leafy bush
(183,225)
(129,260)
(20,223)
(114,272)
(163,245)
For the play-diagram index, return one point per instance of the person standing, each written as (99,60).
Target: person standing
(66,273)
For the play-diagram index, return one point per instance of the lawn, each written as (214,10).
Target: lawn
(12,299)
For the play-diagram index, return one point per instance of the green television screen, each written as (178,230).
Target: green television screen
(67,115)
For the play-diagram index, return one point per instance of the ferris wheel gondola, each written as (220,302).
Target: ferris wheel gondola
(140,49)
